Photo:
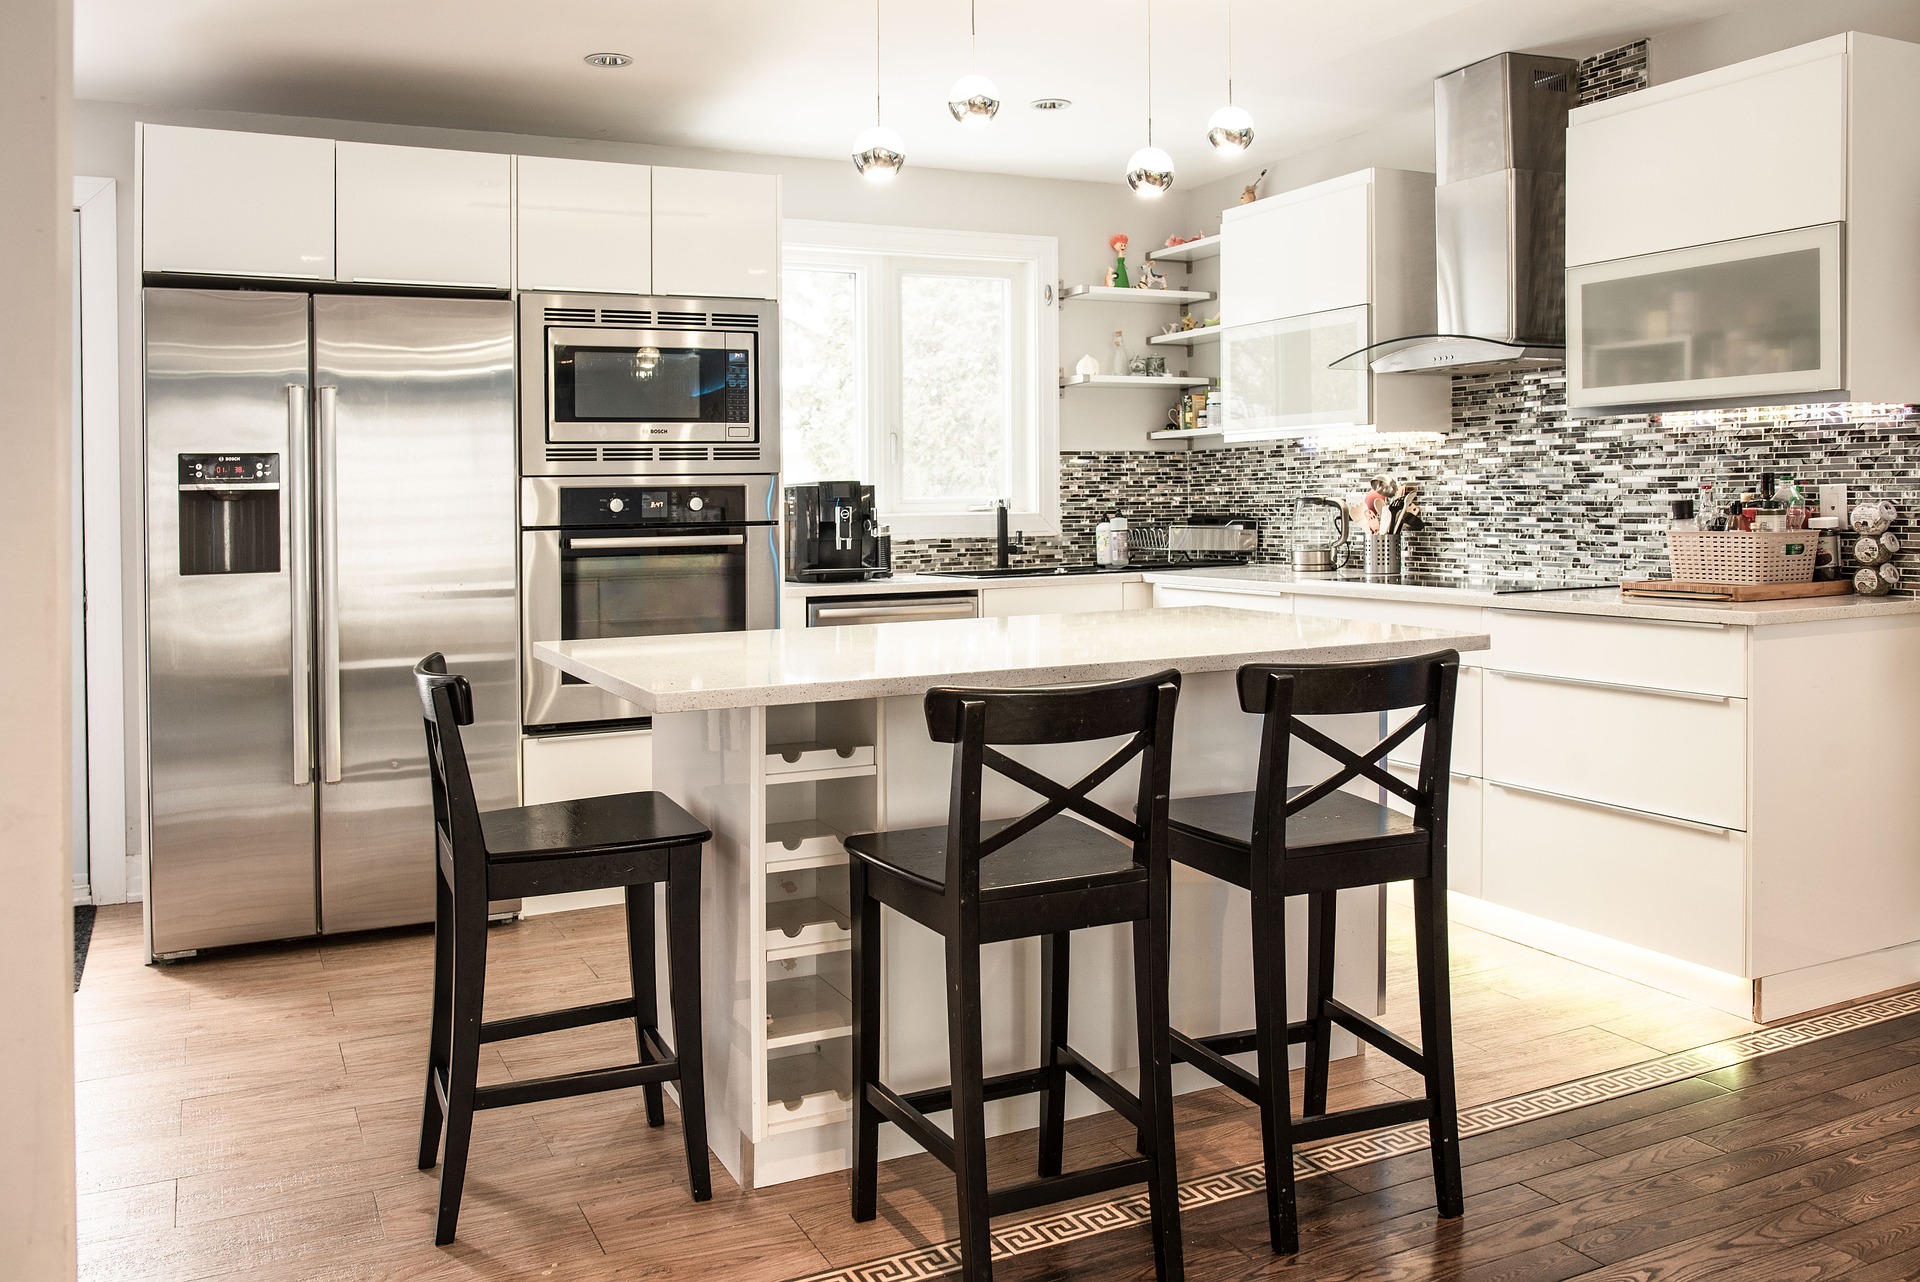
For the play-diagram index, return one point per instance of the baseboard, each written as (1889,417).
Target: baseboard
(538,905)
(82,894)
(1851,979)
(1690,980)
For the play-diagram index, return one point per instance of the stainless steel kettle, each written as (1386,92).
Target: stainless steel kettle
(1319,546)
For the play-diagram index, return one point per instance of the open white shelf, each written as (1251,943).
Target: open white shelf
(811,1086)
(805,1009)
(1115,294)
(1188,337)
(803,843)
(1191,252)
(1176,434)
(801,762)
(1130,380)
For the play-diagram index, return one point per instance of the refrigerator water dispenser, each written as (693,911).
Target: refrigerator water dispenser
(229,514)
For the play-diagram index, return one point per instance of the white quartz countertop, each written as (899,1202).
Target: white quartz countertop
(1278,580)
(802,665)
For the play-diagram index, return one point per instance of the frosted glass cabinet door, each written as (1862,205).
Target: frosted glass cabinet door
(1275,380)
(1755,317)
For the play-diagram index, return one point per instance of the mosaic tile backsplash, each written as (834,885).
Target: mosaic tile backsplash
(1515,486)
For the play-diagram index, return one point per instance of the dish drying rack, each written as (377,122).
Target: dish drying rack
(1192,541)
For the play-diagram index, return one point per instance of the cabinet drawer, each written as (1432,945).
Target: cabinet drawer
(1168,594)
(1467,729)
(1706,658)
(1052,598)
(1675,889)
(1670,754)
(1411,614)
(1463,826)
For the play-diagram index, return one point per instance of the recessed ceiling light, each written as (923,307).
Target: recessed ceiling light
(608,60)
(1050,104)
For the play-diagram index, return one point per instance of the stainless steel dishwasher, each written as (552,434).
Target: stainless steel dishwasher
(844,611)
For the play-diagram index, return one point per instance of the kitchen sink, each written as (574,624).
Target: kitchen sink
(1080,567)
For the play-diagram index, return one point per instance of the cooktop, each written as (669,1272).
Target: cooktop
(1499,587)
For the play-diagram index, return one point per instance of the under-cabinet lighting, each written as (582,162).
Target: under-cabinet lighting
(1833,413)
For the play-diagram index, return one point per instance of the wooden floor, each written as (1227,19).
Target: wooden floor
(255,1115)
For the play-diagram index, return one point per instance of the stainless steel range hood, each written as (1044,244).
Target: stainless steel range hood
(1499,205)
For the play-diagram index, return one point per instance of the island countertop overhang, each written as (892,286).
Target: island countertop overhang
(710,671)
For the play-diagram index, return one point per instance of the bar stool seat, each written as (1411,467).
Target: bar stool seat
(1338,824)
(576,829)
(1057,856)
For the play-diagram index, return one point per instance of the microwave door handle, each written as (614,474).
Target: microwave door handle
(642,541)
(329,558)
(300,576)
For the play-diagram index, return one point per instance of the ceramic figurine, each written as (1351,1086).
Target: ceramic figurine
(1118,364)
(1087,366)
(1149,278)
(1119,274)
(1252,191)
(1108,281)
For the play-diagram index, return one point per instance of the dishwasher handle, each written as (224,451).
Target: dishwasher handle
(964,608)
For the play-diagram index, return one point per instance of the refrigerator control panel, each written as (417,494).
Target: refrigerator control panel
(220,470)
(651,505)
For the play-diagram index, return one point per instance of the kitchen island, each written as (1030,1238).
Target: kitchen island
(785,741)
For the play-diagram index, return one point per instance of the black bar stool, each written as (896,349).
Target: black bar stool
(1278,841)
(1044,874)
(631,840)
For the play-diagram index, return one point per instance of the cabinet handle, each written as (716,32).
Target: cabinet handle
(1616,685)
(1607,618)
(1717,830)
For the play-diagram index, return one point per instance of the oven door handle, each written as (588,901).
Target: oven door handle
(657,541)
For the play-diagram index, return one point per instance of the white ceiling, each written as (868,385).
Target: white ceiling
(795,77)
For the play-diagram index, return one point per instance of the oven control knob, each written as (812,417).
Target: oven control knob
(696,503)
(616,505)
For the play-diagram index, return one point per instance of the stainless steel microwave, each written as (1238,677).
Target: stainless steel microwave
(630,385)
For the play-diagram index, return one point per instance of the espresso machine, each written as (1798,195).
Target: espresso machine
(834,534)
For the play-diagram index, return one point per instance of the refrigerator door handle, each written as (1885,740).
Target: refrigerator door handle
(327,506)
(300,578)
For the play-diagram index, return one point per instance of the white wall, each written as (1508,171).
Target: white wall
(1771,25)
(36,945)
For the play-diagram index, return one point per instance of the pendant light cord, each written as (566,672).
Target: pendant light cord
(1149,4)
(973,34)
(876,63)
(1229,53)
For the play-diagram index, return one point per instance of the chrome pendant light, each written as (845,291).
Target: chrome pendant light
(1150,170)
(1231,129)
(878,152)
(974,99)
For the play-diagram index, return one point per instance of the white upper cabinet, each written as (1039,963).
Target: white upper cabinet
(1299,252)
(1748,235)
(216,202)
(421,216)
(1745,150)
(1313,275)
(715,234)
(584,225)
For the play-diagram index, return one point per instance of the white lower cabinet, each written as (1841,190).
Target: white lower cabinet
(1167,594)
(1465,795)
(1054,598)
(567,767)
(1678,889)
(1703,658)
(1671,753)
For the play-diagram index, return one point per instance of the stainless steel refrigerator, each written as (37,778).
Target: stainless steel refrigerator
(330,496)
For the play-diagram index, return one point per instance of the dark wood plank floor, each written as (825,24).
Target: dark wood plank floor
(1804,1164)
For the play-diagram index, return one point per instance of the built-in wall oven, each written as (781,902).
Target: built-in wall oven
(636,556)
(612,384)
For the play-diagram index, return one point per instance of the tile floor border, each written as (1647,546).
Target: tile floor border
(1054,1229)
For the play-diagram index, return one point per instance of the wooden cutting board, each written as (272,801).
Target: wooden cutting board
(1681,590)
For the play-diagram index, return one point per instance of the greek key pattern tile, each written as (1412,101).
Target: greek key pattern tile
(1358,1150)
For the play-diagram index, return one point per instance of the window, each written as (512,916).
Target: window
(918,361)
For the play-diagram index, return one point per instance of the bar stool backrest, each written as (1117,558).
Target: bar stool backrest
(1283,693)
(446,703)
(978,721)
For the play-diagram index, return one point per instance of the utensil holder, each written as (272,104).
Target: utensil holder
(1383,556)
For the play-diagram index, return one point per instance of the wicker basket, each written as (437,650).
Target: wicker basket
(1735,556)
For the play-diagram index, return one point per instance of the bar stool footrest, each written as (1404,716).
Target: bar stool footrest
(554,1021)
(1376,1035)
(1059,1188)
(1352,1121)
(899,1109)
(1101,1083)
(939,1099)
(587,1082)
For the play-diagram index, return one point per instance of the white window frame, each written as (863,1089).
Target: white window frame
(878,254)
